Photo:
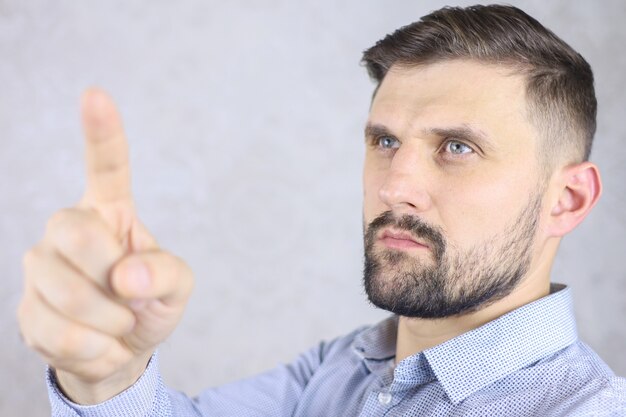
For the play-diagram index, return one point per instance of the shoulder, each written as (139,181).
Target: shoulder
(581,383)
(572,382)
(342,344)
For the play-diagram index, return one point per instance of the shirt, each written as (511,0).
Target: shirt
(528,362)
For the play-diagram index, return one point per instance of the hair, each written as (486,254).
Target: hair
(561,102)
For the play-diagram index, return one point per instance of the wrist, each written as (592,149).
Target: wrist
(83,392)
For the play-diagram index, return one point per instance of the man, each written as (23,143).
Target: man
(477,140)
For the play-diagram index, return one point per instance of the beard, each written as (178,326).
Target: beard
(454,282)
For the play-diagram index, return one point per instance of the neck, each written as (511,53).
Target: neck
(416,335)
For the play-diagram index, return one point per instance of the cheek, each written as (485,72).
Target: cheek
(487,211)
(373,179)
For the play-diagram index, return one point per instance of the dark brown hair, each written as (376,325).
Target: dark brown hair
(560,94)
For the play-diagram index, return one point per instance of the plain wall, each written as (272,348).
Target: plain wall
(245,124)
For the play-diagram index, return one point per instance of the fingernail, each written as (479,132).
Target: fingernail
(137,278)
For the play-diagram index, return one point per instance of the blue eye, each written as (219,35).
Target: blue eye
(457,148)
(387,142)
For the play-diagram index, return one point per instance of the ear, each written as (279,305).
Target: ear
(580,188)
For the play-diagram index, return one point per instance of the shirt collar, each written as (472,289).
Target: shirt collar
(378,342)
(475,359)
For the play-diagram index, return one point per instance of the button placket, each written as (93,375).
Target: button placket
(384,397)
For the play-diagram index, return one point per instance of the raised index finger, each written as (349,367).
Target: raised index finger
(106,152)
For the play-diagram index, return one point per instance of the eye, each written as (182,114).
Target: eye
(455,147)
(387,142)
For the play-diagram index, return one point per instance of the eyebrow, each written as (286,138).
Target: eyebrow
(375,130)
(463,132)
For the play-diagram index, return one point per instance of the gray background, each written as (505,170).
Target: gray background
(245,120)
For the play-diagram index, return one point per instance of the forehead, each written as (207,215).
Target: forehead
(488,98)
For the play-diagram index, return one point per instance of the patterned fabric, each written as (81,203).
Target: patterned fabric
(528,362)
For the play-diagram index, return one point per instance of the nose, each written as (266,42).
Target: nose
(405,187)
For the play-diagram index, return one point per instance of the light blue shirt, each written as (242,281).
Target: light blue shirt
(528,362)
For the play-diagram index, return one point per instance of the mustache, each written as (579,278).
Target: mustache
(414,225)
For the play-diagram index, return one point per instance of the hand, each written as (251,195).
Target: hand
(99,294)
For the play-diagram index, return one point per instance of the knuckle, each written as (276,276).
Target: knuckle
(66,340)
(184,275)
(28,340)
(78,236)
(74,300)
(69,342)
(189,277)
(112,165)
(29,258)
(23,314)
(175,264)
(58,220)
(72,227)
(32,256)
(122,326)
(28,329)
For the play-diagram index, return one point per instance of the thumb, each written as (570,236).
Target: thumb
(154,274)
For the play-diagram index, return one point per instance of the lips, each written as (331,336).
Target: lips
(400,240)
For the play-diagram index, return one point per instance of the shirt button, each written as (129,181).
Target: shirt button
(384,398)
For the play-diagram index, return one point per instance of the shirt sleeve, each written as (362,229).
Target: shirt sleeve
(272,393)
(146,398)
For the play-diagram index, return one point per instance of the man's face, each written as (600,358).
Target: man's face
(452,189)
